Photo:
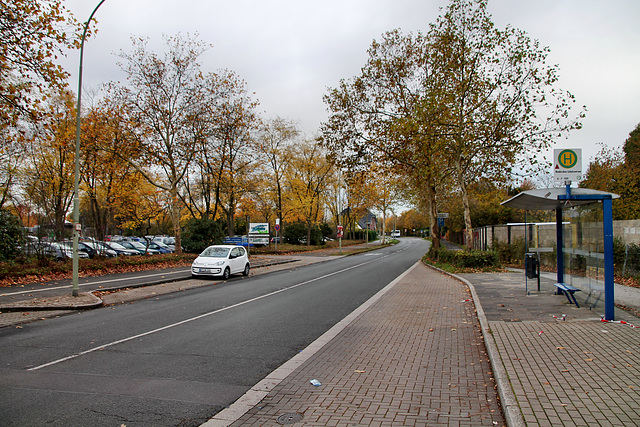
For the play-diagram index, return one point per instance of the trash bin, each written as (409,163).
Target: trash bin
(531,265)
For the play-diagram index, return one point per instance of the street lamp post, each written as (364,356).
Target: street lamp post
(76,181)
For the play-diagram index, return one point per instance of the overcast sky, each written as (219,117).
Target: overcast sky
(290,51)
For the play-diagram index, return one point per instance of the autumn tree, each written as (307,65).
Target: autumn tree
(615,171)
(386,193)
(311,168)
(388,116)
(274,141)
(33,34)
(12,154)
(139,204)
(463,101)
(229,149)
(163,101)
(49,175)
(499,94)
(104,174)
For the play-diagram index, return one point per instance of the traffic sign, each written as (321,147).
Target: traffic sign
(567,165)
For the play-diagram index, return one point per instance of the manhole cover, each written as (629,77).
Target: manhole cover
(289,418)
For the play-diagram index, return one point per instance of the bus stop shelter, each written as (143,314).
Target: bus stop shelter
(558,199)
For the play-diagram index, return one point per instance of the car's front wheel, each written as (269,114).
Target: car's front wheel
(246,270)
(226,273)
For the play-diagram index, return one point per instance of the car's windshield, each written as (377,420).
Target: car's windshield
(215,252)
(117,246)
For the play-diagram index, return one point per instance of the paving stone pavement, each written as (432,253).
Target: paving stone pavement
(574,372)
(415,357)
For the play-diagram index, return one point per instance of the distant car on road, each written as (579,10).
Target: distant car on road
(221,260)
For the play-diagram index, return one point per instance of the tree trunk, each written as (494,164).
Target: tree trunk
(175,217)
(465,204)
(433,212)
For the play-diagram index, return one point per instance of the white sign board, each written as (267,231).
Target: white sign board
(259,233)
(259,228)
(567,165)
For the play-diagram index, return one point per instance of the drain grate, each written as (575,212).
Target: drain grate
(289,418)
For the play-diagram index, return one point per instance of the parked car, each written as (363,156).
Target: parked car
(221,260)
(121,250)
(82,246)
(169,241)
(101,248)
(55,250)
(140,247)
(60,251)
(160,247)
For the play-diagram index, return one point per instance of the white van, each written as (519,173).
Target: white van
(395,233)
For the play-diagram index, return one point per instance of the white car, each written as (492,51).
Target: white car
(221,260)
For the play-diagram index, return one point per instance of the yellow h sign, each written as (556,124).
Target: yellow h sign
(567,159)
(567,165)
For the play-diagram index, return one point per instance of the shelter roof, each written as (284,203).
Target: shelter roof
(546,199)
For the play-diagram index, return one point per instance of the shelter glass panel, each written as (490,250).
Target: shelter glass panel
(583,255)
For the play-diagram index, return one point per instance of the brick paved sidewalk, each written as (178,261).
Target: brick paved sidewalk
(582,373)
(415,357)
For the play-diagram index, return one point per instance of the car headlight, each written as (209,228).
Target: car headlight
(218,263)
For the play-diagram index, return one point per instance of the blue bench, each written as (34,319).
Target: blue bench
(569,292)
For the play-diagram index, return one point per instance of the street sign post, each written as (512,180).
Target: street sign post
(567,165)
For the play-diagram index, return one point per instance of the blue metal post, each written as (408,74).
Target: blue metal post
(607,220)
(560,247)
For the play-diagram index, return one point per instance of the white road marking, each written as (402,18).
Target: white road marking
(182,322)
(93,283)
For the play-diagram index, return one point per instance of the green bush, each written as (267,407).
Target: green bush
(199,234)
(465,259)
(510,253)
(296,234)
(11,235)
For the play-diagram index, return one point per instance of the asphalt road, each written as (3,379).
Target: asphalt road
(178,359)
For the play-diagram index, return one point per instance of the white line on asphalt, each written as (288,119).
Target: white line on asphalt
(92,283)
(182,322)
